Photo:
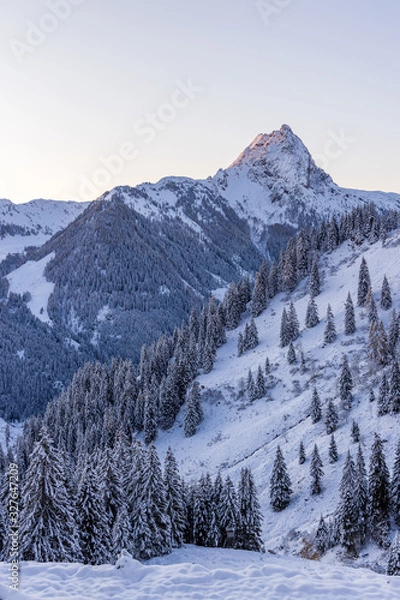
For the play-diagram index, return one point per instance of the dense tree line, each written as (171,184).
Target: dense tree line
(121,498)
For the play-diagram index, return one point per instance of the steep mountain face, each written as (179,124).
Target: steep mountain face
(124,269)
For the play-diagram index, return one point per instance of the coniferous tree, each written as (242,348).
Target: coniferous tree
(194,410)
(383,396)
(232,307)
(321,539)
(345,384)
(240,344)
(260,384)
(204,512)
(47,526)
(349,317)
(316,472)
(94,529)
(259,296)
(280,485)
(251,339)
(395,487)
(110,485)
(251,387)
(330,330)
(346,512)
(393,336)
(248,535)
(371,395)
(267,366)
(331,418)
(386,296)
(291,355)
(302,454)
(394,388)
(364,283)
(285,330)
(312,318)
(121,534)
(227,509)
(355,432)
(372,310)
(378,343)
(175,505)
(393,566)
(378,493)
(293,323)
(150,414)
(316,412)
(333,453)
(152,526)
(361,498)
(315,281)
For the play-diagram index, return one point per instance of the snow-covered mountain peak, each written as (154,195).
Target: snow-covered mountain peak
(280,155)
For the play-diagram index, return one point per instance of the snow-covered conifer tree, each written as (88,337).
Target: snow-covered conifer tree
(394,388)
(331,418)
(194,410)
(285,331)
(355,432)
(259,296)
(280,485)
(386,296)
(316,412)
(48,530)
(349,316)
(248,533)
(345,384)
(316,472)
(333,453)
(361,497)
(302,454)
(346,512)
(312,318)
(291,355)
(315,280)
(330,330)
(395,487)
(364,283)
(379,494)
(393,566)
(321,539)
(175,508)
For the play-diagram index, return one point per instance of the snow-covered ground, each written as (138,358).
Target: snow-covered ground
(30,278)
(236,433)
(194,573)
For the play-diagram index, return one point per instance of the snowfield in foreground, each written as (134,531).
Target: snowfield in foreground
(200,573)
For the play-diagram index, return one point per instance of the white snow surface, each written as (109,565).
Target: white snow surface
(42,219)
(192,573)
(30,278)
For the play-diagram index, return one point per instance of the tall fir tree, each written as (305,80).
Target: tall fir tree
(227,509)
(315,280)
(321,539)
(394,387)
(194,410)
(345,384)
(316,472)
(248,534)
(330,330)
(316,412)
(302,454)
(259,295)
(293,323)
(280,488)
(379,494)
(331,418)
(291,355)
(364,283)
(175,504)
(393,566)
(333,453)
(312,318)
(386,296)
(346,513)
(395,487)
(349,317)
(361,498)
(94,528)
(47,526)
(285,336)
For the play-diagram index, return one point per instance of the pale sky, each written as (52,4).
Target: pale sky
(99,93)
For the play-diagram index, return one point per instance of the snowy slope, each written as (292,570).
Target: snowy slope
(236,433)
(200,574)
(30,278)
(40,219)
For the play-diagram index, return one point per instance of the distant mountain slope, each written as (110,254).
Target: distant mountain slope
(32,223)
